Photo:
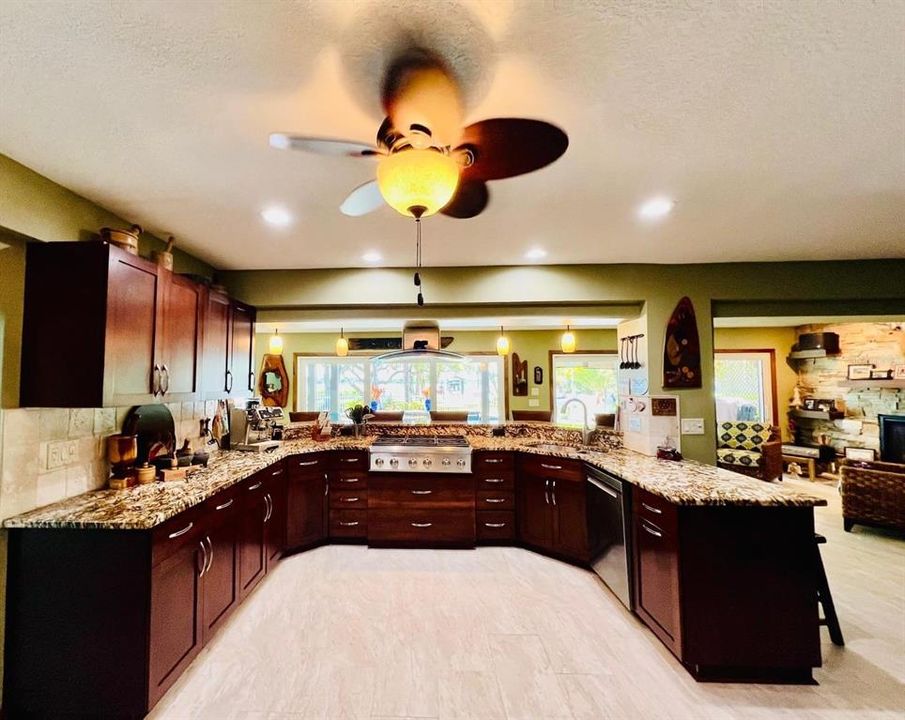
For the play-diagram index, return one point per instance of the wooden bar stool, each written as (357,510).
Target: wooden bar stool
(830,619)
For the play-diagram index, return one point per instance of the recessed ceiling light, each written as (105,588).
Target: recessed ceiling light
(372,256)
(656,208)
(276,216)
(536,254)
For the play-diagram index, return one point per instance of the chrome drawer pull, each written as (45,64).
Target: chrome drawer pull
(421,492)
(551,467)
(348,480)
(495,500)
(210,560)
(309,463)
(422,525)
(351,523)
(255,486)
(203,558)
(184,530)
(493,461)
(656,511)
(349,459)
(494,525)
(651,530)
(553,493)
(276,472)
(225,505)
(355,499)
(494,480)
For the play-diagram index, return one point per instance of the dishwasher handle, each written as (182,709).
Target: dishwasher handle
(600,486)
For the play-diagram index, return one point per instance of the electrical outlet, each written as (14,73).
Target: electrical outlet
(533,402)
(63,452)
(535,392)
(692,426)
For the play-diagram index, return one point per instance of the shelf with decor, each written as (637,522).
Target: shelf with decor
(801,414)
(875,383)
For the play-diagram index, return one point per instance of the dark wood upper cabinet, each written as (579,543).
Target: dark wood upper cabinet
(106,328)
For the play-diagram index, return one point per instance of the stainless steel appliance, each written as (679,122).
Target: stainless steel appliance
(609,532)
(255,428)
(439,454)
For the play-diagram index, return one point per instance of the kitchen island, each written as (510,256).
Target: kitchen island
(722,565)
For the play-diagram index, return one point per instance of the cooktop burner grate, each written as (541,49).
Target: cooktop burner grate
(415,441)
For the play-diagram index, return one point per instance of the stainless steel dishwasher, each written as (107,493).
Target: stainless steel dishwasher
(609,532)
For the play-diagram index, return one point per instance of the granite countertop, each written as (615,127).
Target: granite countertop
(146,506)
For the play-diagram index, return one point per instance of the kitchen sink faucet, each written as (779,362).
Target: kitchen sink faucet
(585,431)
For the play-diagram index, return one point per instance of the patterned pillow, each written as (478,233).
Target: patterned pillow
(743,435)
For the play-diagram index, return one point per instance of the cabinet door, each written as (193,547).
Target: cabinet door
(305,508)
(275,527)
(657,574)
(180,338)
(220,588)
(242,344)
(252,554)
(131,348)
(216,369)
(176,627)
(534,511)
(570,519)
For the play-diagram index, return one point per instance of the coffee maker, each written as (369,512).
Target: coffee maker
(255,428)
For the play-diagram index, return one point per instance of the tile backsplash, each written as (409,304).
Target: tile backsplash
(29,478)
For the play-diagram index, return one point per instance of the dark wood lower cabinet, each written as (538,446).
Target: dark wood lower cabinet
(220,586)
(306,500)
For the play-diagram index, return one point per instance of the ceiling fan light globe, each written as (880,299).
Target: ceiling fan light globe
(417,179)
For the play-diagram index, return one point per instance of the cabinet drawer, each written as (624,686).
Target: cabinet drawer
(495,500)
(347,480)
(495,480)
(552,467)
(487,461)
(495,525)
(312,464)
(349,460)
(421,527)
(348,523)
(170,536)
(660,512)
(421,492)
(345,499)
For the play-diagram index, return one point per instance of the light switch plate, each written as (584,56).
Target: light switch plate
(533,402)
(63,452)
(692,426)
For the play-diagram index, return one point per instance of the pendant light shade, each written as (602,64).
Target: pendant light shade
(567,341)
(276,343)
(342,345)
(502,344)
(418,183)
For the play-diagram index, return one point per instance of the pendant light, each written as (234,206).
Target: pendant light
(502,344)
(342,345)
(567,341)
(276,343)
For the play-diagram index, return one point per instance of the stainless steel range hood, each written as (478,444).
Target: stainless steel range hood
(421,341)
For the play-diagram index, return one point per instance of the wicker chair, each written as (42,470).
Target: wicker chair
(750,448)
(873,493)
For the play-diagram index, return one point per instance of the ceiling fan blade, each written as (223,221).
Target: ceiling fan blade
(362,200)
(505,147)
(322,146)
(470,199)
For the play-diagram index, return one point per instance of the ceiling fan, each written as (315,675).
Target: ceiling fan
(427,162)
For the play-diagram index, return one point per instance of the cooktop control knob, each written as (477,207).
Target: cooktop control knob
(394,462)
(427,462)
(378,461)
(412,462)
(460,462)
(445,462)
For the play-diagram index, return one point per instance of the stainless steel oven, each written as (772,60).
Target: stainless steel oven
(609,532)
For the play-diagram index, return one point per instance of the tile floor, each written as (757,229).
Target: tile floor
(351,633)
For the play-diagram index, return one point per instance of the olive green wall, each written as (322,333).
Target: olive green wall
(778,339)
(850,287)
(531,345)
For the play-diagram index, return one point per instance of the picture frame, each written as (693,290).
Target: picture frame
(810,403)
(826,405)
(880,374)
(860,454)
(860,371)
(898,372)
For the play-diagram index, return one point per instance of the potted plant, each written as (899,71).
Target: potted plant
(359,415)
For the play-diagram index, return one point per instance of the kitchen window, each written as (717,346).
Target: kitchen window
(475,385)
(590,377)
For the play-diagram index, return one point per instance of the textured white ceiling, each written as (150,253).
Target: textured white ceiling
(779,127)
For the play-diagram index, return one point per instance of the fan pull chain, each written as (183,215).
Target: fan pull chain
(420,297)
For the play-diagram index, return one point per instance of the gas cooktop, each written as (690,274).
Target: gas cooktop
(418,453)
(415,441)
